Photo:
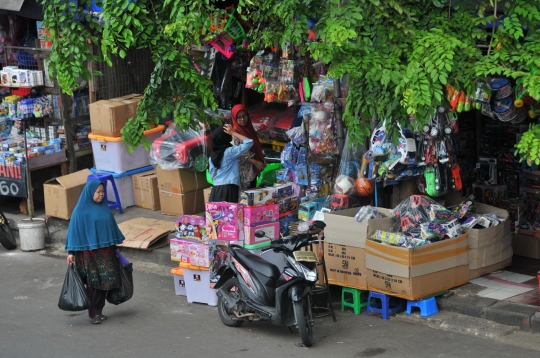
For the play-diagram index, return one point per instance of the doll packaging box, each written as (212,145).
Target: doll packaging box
(225,221)
(192,228)
(257,215)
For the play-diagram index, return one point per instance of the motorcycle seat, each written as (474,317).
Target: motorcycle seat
(257,263)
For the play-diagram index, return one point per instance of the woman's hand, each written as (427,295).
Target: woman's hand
(70,259)
(257,164)
(227,128)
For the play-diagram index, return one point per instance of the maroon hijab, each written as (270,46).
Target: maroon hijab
(247,131)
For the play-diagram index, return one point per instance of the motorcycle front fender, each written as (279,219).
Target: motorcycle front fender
(225,276)
(298,293)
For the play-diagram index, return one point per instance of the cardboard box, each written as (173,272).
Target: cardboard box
(416,273)
(527,246)
(178,181)
(181,204)
(489,269)
(341,227)
(207,192)
(145,190)
(62,193)
(108,117)
(345,266)
(491,246)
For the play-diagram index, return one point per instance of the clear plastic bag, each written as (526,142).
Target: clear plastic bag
(175,149)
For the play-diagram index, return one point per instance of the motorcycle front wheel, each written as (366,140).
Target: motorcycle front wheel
(302,315)
(232,288)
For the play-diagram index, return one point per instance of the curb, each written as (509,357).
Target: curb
(526,317)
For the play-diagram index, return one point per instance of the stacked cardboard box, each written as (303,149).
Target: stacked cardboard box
(145,190)
(108,117)
(62,194)
(181,191)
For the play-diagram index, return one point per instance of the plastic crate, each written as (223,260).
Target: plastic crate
(124,185)
(198,285)
(111,154)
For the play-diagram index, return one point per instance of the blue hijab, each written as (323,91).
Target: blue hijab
(92,225)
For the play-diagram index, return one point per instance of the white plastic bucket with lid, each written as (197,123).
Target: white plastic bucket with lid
(32,234)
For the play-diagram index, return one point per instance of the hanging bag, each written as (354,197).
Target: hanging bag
(73,296)
(125,291)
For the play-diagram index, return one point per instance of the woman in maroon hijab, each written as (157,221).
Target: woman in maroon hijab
(253,162)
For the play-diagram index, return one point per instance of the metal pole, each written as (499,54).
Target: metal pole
(29,194)
(338,112)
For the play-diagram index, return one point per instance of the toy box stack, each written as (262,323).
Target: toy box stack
(191,248)
(268,213)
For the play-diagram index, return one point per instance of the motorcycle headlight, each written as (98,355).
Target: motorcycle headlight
(310,275)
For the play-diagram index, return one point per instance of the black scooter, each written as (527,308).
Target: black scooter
(252,289)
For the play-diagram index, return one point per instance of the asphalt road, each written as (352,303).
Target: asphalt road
(156,323)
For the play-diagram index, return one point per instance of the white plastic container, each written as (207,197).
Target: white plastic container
(111,155)
(198,285)
(179,282)
(124,185)
(32,234)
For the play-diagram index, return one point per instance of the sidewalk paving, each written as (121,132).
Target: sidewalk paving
(521,310)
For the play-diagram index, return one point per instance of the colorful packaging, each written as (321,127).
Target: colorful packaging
(285,222)
(191,227)
(198,254)
(261,233)
(257,215)
(265,196)
(224,221)
(179,252)
(218,257)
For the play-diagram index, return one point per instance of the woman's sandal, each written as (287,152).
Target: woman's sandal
(102,317)
(96,320)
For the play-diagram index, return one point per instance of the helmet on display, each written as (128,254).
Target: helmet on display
(364,187)
(344,185)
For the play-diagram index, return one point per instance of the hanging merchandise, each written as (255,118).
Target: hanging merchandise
(262,68)
(175,149)
(232,35)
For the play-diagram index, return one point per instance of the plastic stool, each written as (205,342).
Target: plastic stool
(358,299)
(104,178)
(427,307)
(386,309)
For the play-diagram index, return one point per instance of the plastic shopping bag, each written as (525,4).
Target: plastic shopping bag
(73,296)
(125,292)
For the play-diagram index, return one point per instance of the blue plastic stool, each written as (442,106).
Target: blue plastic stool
(427,307)
(104,178)
(385,309)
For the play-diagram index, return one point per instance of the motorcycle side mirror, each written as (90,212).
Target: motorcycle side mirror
(319,225)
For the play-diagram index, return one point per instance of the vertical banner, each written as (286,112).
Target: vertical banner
(13,180)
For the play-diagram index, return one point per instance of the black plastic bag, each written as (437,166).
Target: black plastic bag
(125,292)
(73,296)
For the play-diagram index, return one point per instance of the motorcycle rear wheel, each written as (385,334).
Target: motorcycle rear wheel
(302,315)
(6,235)
(230,287)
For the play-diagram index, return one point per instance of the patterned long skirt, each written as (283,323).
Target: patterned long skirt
(100,268)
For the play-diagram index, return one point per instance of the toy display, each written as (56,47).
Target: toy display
(307,210)
(189,252)
(224,221)
(191,227)
(268,195)
(256,215)
(175,149)
(367,213)
(218,257)
(285,221)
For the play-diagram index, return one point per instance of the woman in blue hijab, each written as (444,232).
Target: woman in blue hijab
(91,242)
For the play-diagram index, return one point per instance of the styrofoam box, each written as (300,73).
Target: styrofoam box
(124,185)
(111,154)
(198,286)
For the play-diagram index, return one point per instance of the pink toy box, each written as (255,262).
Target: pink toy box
(257,215)
(271,232)
(191,227)
(190,252)
(225,221)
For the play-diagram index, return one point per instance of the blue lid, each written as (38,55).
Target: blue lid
(498,83)
(125,174)
(503,105)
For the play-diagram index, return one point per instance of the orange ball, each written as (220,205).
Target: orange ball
(364,187)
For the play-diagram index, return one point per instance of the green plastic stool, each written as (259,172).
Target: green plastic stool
(359,299)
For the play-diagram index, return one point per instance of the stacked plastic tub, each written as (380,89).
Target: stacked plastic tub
(111,156)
